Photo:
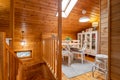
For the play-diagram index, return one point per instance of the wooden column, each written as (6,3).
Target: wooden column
(2,57)
(103,27)
(59,40)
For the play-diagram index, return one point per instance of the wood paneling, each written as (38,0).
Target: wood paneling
(115,39)
(5,16)
(34,45)
(73,36)
(42,15)
(103,27)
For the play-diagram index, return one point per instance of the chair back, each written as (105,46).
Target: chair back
(67,48)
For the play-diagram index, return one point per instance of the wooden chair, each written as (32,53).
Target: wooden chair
(67,53)
(101,65)
(81,52)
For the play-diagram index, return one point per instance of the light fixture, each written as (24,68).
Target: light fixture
(84,18)
(22,41)
(67,6)
(95,24)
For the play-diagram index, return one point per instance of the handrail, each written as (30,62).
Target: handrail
(12,52)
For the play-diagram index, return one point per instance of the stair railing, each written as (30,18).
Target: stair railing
(9,62)
(50,55)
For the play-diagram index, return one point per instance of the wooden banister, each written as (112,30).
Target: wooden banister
(12,52)
(50,55)
(9,63)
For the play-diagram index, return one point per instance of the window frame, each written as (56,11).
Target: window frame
(24,51)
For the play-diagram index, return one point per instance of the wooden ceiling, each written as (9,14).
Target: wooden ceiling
(72,24)
(39,16)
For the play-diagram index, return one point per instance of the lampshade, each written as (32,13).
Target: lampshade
(94,24)
(84,19)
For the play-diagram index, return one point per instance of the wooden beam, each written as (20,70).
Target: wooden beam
(59,40)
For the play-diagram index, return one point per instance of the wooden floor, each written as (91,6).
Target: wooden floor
(87,76)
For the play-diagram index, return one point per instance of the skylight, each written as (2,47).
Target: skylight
(67,6)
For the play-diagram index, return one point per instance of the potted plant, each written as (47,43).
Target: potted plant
(68,39)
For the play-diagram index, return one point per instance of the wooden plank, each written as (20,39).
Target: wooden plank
(114,40)
(104,26)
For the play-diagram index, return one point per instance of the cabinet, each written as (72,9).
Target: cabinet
(91,39)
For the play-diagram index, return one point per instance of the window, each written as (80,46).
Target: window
(24,54)
(67,6)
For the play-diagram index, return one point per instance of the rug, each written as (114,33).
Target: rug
(77,68)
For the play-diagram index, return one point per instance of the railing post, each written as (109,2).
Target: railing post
(59,61)
(3,66)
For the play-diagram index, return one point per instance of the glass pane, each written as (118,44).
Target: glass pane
(80,40)
(83,39)
(88,41)
(93,41)
(24,54)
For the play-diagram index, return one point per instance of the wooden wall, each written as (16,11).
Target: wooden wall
(103,47)
(72,35)
(64,35)
(115,39)
(5,16)
(33,44)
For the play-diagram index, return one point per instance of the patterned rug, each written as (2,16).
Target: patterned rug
(76,68)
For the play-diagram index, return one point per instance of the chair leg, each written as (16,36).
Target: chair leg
(71,57)
(106,76)
(93,68)
(82,58)
(69,60)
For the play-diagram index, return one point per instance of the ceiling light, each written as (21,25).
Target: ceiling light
(84,18)
(67,6)
(23,43)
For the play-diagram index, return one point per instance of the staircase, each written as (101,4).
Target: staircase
(12,68)
(37,72)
